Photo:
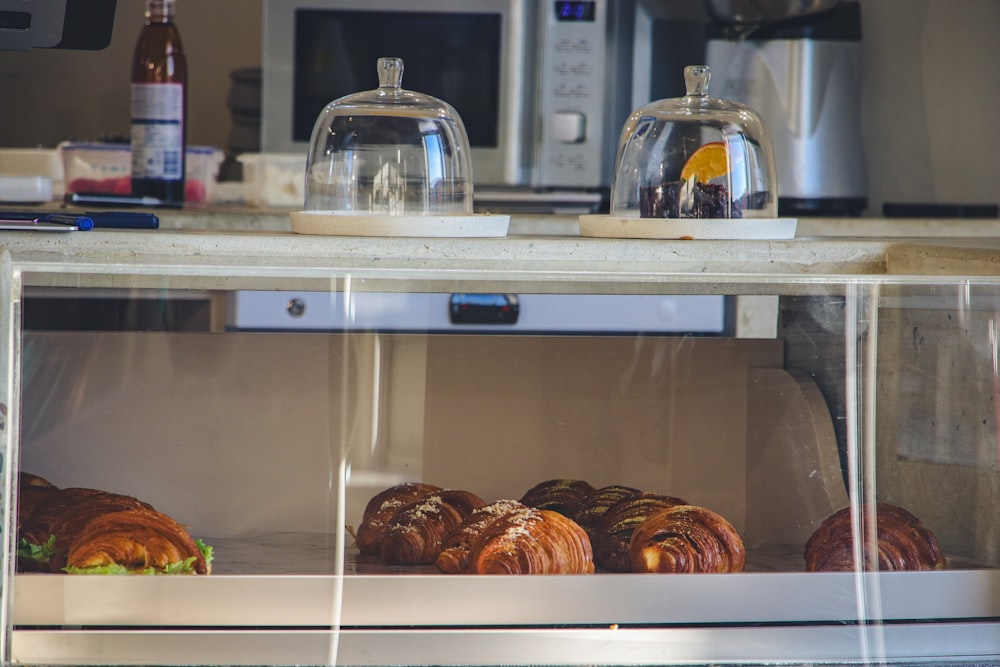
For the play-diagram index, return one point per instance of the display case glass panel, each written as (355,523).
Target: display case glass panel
(785,396)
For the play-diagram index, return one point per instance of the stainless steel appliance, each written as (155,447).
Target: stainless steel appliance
(800,68)
(543,88)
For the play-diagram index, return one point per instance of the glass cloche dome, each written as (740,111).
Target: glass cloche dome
(694,157)
(391,161)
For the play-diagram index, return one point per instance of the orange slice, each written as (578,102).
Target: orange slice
(708,162)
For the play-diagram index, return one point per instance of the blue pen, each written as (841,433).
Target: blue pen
(124,219)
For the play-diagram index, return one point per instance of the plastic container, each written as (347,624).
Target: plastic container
(106,168)
(274,180)
(30,175)
(391,162)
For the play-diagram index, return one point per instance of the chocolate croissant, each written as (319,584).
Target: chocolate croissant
(611,546)
(381,508)
(415,533)
(532,541)
(136,540)
(456,552)
(558,495)
(595,505)
(903,543)
(686,539)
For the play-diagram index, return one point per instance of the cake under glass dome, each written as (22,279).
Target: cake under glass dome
(693,167)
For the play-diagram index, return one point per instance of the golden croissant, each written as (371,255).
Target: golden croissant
(456,551)
(381,508)
(415,533)
(532,541)
(611,544)
(686,539)
(903,543)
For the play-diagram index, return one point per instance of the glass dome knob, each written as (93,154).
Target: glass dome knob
(390,75)
(696,78)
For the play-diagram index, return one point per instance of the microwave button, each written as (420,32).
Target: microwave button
(569,127)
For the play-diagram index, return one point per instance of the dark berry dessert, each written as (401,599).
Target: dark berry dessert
(707,200)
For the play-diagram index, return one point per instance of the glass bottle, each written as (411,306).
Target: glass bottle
(159,107)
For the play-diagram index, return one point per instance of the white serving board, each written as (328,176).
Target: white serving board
(329,223)
(607,226)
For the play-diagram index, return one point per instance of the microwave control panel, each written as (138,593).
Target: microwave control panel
(571,107)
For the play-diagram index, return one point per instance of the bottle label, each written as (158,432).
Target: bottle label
(158,131)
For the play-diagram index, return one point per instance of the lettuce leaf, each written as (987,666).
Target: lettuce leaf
(206,551)
(40,552)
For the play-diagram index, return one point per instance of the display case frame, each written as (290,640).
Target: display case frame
(341,617)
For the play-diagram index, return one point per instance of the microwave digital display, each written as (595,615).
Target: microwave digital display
(452,56)
(575,10)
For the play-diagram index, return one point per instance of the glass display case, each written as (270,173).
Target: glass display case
(826,375)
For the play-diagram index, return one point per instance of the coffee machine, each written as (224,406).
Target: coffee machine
(799,66)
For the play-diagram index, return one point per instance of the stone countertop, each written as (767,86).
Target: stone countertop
(259,244)
(274,220)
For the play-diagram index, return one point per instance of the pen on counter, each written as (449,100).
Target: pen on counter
(103,199)
(81,222)
(35,219)
(124,219)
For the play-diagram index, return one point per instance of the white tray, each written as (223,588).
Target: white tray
(606,226)
(344,224)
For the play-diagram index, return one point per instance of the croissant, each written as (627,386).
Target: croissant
(136,540)
(686,538)
(595,505)
(74,519)
(532,541)
(415,533)
(381,508)
(30,497)
(611,547)
(36,550)
(37,526)
(456,552)
(903,543)
(558,495)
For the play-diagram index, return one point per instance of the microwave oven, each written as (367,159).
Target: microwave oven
(542,87)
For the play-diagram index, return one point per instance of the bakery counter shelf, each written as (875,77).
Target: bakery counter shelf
(292,581)
(965,644)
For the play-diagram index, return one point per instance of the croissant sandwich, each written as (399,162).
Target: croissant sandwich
(54,522)
(136,541)
(902,543)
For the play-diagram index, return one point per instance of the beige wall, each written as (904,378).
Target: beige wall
(930,90)
(47,96)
